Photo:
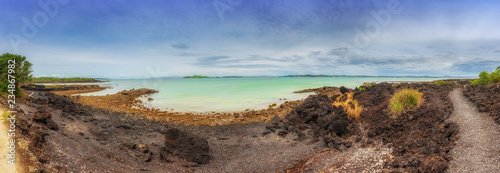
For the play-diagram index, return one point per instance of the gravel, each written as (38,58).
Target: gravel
(478,148)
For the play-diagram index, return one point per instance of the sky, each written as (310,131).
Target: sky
(143,39)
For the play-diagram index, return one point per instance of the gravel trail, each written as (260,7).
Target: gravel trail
(478,148)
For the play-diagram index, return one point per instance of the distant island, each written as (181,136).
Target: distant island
(64,80)
(308,75)
(200,77)
(196,76)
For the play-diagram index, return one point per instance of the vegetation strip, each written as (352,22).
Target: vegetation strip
(64,80)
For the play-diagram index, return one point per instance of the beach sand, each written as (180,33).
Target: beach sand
(4,143)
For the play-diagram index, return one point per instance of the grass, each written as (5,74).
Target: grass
(404,100)
(350,106)
(441,83)
(365,86)
(4,116)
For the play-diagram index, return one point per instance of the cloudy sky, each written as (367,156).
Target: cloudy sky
(125,38)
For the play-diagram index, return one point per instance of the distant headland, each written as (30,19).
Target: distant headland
(200,77)
(196,76)
(65,80)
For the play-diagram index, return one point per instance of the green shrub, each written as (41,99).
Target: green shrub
(404,100)
(362,89)
(486,78)
(22,72)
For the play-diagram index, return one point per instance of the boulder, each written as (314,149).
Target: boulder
(51,124)
(41,116)
(343,89)
(339,127)
(320,115)
(276,120)
(44,117)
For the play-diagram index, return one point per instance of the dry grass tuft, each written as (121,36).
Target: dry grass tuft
(404,100)
(350,106)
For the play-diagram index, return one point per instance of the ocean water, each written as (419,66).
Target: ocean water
(231,94)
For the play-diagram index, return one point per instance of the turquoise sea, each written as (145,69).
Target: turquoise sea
(232,94)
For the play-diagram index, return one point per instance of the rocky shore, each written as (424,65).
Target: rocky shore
(127,102)
(58,134)
(65,89)
(115,133)
(417,141)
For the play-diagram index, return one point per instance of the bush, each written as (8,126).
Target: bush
(22,72)
(404,100)
(486,78)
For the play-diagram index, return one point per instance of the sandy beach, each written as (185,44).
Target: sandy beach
(4,143)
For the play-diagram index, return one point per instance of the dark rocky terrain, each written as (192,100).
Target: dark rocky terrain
(486,99)
(421,139)
(65,136)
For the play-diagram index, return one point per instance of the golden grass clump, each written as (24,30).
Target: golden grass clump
(350,106)
(4,116)
(404,100)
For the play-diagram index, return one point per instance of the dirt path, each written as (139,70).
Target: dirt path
(478,149)
(4,142)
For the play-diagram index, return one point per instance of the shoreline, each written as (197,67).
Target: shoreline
(187,98)
(133,102)
(129,102)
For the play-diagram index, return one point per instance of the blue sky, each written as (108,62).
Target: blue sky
(127,38)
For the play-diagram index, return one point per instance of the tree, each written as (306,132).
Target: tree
(498,68)
(22,72)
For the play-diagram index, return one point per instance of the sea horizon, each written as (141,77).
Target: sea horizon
(261,76)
